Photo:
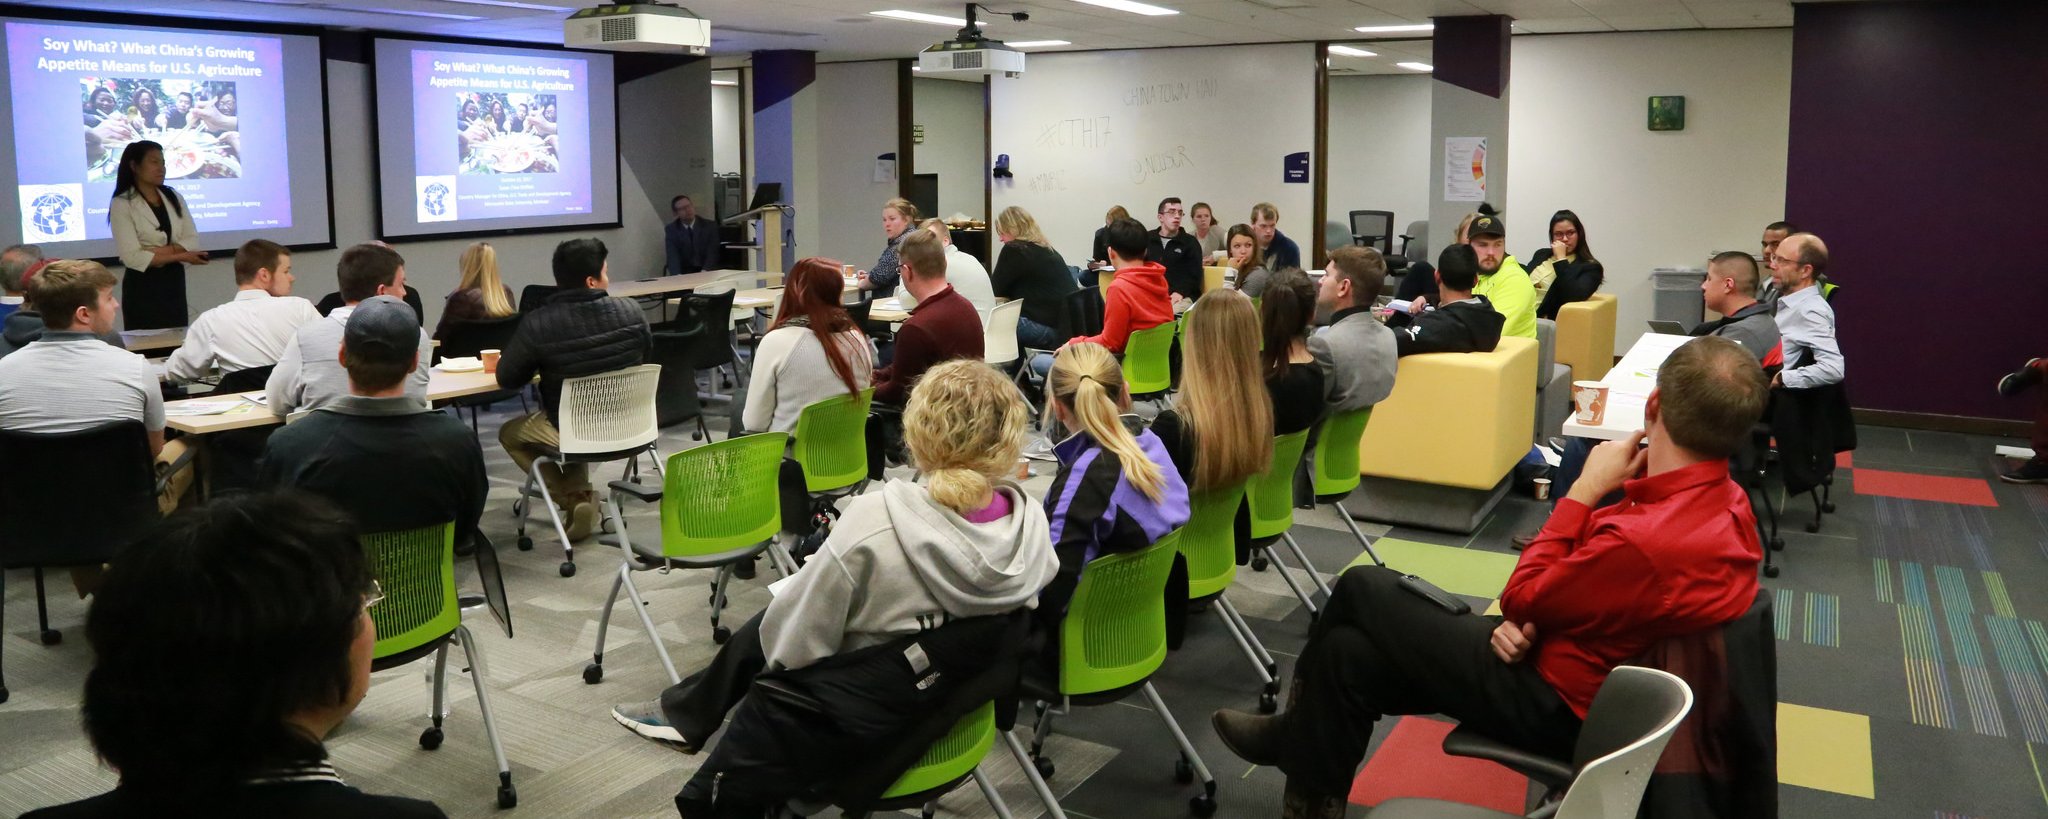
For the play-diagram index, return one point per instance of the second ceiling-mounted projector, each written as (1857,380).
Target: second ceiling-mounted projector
(971,52)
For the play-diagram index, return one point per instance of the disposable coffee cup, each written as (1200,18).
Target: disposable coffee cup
(1543,489)
(847,271)
(1216,256)
(490,358)
(1591,399)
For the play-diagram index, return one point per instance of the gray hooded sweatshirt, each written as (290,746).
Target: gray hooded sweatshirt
(898,563)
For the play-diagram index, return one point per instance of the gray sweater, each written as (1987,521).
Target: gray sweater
(1358,356)
(309,374)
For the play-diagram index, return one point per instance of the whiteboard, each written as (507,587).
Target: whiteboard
(1088,130)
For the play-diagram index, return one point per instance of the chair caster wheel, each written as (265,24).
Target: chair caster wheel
(430,739)
(1770,571)
(592,673)
(507,797)
(1044,766)
(1203,806)
(1183,772)
(1777,544)
(568,568)
(720,634)
(1812,528)
(525,543)
(1259,564)
(1269,703)
(1828,507)
(52,637)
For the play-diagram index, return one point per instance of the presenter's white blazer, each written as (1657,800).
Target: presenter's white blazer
(137,235)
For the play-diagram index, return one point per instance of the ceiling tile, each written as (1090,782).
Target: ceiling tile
(1561,25)
(1660,22)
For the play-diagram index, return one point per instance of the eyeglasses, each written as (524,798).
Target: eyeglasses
(1778,259)
(375,595)
(1564,234)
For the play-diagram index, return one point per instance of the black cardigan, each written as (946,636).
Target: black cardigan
(1576,281)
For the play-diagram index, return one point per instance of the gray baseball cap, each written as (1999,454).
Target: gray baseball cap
(382,328)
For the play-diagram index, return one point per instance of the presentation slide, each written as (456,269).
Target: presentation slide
(479,138)
(239,116)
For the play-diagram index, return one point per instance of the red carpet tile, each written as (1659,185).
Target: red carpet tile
(1968,491)
(1411,763)
(1845,460)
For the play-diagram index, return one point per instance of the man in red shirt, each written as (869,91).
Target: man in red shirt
(943,326)
(1678,554)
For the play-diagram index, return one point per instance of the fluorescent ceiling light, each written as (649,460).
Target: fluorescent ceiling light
(412,13)
(514,4)
(1392,29)
(917,68)
(1037,43)
(920,17)
(1417,66)
(1130,6)
(725,82)
(1348,51)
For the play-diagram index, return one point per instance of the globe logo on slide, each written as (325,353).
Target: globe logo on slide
(436,199)
(52,213)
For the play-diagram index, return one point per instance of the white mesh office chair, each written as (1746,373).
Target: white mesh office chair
(605,417)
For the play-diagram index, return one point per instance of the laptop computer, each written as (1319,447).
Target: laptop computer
(1670,328)
(765,194)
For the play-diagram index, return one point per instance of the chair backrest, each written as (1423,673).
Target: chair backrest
(1271,493)
(1209,541)
(1148,366)
(1635,712)
(999,333)
(532,296)
(1082,312)
(676,393)
(75,498)
(1373,229)
(1416,248)
(1336,462)
(707,319)
(610,412)
(248,380)
(722,496)
(1546,350)
(955,755)
(831,441)
(469,338)
(416,567)
(1114,633)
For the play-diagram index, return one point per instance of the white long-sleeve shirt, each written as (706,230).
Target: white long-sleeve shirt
(249,331)
(1806,323)
(790,373)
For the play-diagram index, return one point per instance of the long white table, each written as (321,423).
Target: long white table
(1628,389)
(441,386)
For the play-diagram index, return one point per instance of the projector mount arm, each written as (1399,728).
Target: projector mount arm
(972,32)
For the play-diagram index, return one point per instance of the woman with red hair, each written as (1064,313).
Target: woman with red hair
(813,351)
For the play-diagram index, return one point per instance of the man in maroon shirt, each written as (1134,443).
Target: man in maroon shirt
(1678,554)
(943,326)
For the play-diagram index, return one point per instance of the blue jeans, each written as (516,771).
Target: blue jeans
(1036,336)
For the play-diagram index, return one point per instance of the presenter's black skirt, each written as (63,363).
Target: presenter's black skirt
(154,298)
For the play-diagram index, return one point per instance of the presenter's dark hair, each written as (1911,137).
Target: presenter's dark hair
(1128,239)
(577,260)
(124,179)
(212,630)
(363,268)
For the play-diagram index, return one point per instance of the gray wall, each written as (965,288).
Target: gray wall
(1456,112)
(1379,147)
(951,113)
(657,160)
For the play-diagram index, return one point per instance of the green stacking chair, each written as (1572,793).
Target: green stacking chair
(1271,498)
(831,444)
(1336,467)
(719,506)
(1209,545)
(955,758)
(419,615)
(1148,368)
(1111,641)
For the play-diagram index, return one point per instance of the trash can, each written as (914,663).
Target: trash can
(1678,297)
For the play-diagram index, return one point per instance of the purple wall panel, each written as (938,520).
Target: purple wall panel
(1919,152)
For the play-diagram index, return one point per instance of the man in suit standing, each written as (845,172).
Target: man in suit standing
(692,241)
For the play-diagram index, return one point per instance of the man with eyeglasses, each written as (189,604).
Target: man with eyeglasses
(1806,322)
(691,240)
(1774,234)
(1177,250)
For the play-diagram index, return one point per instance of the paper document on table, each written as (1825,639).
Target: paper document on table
(156,332)
(223,406)
(1404,305)
(889,304)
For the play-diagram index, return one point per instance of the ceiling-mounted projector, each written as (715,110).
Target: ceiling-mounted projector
(970,52)
(638,27)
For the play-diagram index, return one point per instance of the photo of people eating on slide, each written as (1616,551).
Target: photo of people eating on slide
(506,133)
(195,121)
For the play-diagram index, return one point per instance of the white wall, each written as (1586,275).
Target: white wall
(839,205)
(725,127)
(657,160)
(1379,147)
(951,113)
(1088,130)
(1649,200)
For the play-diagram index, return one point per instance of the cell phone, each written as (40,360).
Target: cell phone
(1428,591)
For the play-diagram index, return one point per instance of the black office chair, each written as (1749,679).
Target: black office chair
(77,499)
(534,295)
(329,302)
(1373,229)
(675,396)
(707,319)
(232,455)
(465,339)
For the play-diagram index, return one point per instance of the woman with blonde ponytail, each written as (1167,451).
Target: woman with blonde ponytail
(1117,490)
(903,562)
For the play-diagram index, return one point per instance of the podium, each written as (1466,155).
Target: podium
(768,236)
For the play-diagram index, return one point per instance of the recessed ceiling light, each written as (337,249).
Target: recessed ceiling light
(1393,29)
(1037,43)
(1417,66)
(725,82)
(920,17)
(1348,51)
(1130,6)
(514,4)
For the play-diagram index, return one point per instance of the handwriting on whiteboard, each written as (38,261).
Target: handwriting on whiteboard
(1167,93)
(1049,182)
(1079,132)
(1152,165)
